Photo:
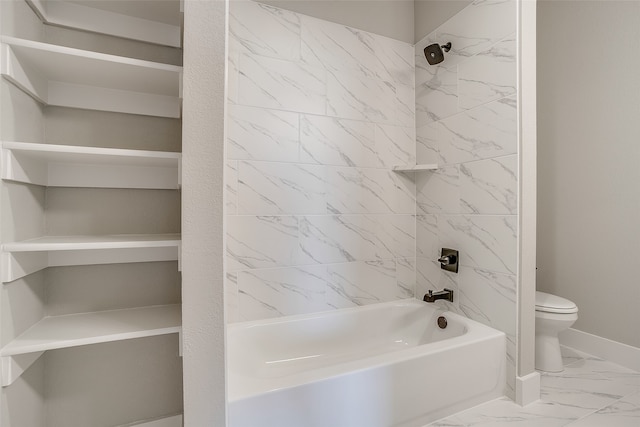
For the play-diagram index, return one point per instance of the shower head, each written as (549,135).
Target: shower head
(434,53)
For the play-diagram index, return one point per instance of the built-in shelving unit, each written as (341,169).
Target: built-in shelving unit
(67,77)
(158,25)
(72,166)
(415,168)
(22,258)
(61,76)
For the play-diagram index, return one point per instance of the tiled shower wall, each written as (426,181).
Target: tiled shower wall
(466,110)
(318,114)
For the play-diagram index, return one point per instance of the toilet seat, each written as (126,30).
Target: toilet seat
(548,303)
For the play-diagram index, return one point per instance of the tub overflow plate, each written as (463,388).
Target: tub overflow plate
(442,322)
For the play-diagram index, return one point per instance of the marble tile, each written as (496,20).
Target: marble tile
(385,191)
(406,277)
(395,234)
(261,242)
(489,186)
(340,238)
(427,237)
(341,142)
(361,283)
(476,28)
(436,94)
(582,390)
(259,29)
(428,141)
(395,145)
(337,47)
(405,106)
(571,355)
(488,76)
(231,187)
(231,298)
(262,134)
(489,298)
(505,412)
(395,61)
(623,413)
(266,188)
(279,84)
(378,191)
(484,132)
(276,292)
(438,191)
(487,242)
(359,97)
(345,190)
(232,77)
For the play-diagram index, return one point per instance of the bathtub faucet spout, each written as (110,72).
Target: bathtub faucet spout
(446,294)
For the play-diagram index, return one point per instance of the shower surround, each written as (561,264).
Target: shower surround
(466,118)
(318,114)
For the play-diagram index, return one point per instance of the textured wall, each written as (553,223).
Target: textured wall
(318,113)
(466,123)
(589,150)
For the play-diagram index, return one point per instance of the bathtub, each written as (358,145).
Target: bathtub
(381,365)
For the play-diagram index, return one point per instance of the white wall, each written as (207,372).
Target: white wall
(203,316)
(391,18)
(430,14)
(589,151)
(316,219)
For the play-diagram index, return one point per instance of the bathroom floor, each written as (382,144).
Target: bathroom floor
(591,392)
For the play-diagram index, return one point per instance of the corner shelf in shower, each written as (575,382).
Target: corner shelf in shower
(112,22)
(66,77)
(73,330)
(22,258)
(415,168)
(71,166)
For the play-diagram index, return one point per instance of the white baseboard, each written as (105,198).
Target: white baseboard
(613,351)
(528,389)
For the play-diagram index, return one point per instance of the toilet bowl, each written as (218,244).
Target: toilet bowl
(554,314)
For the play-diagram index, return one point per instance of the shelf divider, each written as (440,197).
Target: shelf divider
(67,77)
(81,17)
(72,166)
(22,258)
(73,330)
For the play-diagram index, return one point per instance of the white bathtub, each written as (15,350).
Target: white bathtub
(376,366)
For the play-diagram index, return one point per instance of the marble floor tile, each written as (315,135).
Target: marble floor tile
(590,392)
(623,413)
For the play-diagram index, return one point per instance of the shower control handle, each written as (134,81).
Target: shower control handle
(449,260)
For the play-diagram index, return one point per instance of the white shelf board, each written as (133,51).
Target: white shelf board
(75,330)
(70,166)
(413,168)
(25,257)
(158,24)
(67,77)
(171,421)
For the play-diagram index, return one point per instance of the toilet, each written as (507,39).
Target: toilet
(554,314)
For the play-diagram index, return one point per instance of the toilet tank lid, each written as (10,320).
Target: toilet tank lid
(549,301)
